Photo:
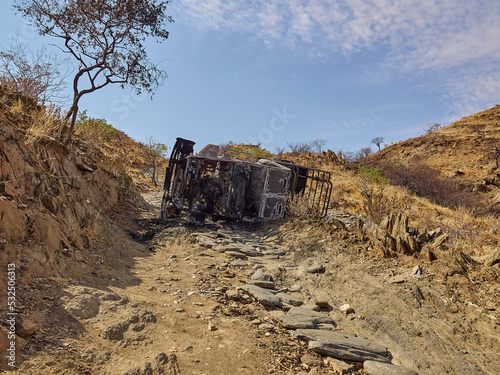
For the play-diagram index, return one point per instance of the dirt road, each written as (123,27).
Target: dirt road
(175,305)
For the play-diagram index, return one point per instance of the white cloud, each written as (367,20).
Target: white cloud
(444,37)
(420,33)
(476,91)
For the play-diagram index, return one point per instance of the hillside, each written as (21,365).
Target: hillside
(461,146)
(463,150)
(63,210)
(388,282)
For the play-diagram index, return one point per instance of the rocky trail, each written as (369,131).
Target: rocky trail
(241,299)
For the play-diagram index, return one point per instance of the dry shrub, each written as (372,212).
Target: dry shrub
(16,109)
(345,192)
(297,148)
(38,75)
(38,123)
(300,206)
(97,139)
(426,182)
(380,201)
(469,233)
(44,125)
(375,204)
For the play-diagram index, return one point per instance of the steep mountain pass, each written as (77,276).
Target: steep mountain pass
(101,286)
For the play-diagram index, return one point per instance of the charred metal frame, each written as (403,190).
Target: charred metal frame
(239,189)
(313,185)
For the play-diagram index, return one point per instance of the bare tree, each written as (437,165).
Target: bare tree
(106,37)
(300,147)
(347,155)
(356,157)
(155,151)
(364,153)
(35,74)
(378,141)
(318,144)
(280,150)
(432,128)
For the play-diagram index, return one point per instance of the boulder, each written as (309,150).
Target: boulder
(343,346)
(339,366)
(440,240)
(249,250)
(239,263)
(83,306)
(236,254)
(319,316)
(263,284)
(116,331)
(289,299)
(298,321)
(207,242)
(379,368)
(393,237)
(302,318)
(260,274)
(316,268)
(311,360)
(262,295)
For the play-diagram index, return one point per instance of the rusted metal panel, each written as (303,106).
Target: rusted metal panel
(270,184)
(235,189)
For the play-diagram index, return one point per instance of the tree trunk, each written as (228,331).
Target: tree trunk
(71,126)
(154,171)
(65,130)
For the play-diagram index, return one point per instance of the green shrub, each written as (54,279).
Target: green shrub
(260,153)
(96,124)
(371,175)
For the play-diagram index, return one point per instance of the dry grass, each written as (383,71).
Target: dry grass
(300,206)
(468,233)
(97,145)
(44,126)
(454,149)
(38,123)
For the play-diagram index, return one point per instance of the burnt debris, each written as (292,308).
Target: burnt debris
(216,184)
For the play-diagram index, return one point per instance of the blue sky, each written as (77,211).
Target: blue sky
(284,71)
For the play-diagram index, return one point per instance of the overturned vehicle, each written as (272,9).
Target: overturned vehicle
(213,183)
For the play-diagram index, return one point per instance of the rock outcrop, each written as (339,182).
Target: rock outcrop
(393,236)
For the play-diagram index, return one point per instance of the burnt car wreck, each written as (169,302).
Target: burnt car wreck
(215,184)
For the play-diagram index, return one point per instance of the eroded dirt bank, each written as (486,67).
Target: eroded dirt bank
(177,303)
